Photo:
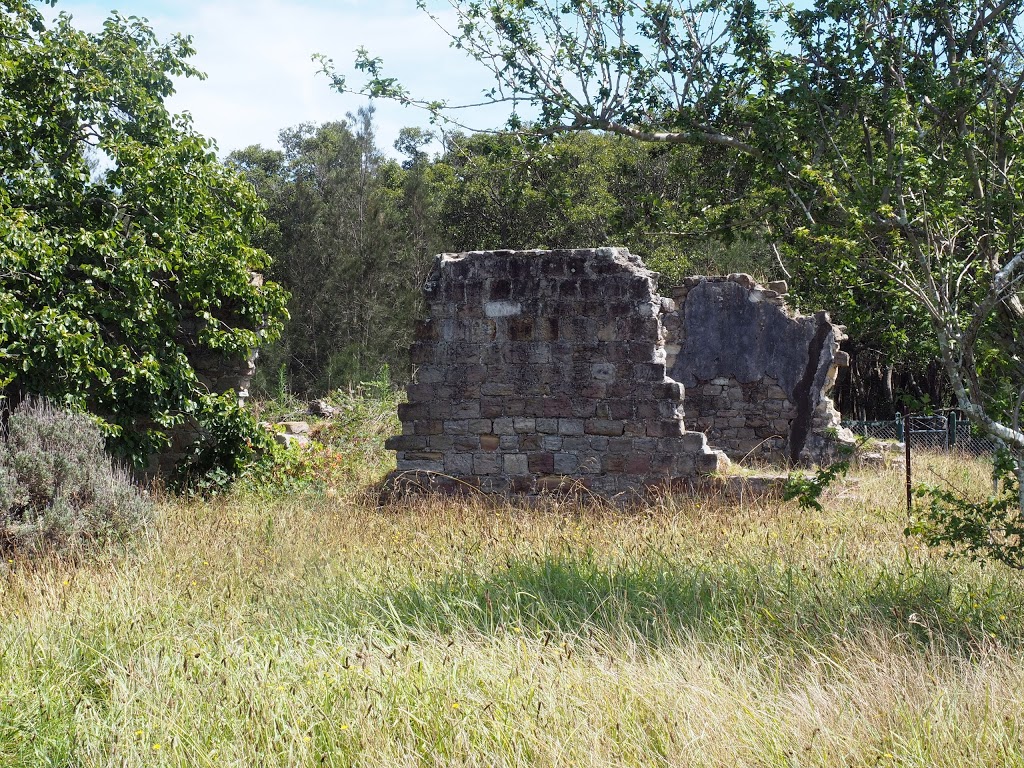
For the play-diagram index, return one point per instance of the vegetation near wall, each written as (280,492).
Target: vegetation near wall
(351,241)
(118,228)
(317,628)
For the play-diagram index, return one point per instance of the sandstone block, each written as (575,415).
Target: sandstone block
(541,463)
(429,427)
(458,464)
(566,463)
(570,426)
(466,443)
(486,463)
(605,427)
(551,442)
(406,442)
(516,464)
(504,426)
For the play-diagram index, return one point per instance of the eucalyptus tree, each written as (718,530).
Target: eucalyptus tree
(350,242)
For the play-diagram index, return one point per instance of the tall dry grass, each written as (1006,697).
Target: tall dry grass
(319,629)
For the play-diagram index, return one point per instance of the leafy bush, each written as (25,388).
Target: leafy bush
(120,279)
(58,487)
(231,445)
(987,529)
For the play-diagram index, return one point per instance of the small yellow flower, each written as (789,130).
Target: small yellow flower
(1002,617)
(455,705)
(156,747)
(138,732)
(344,726)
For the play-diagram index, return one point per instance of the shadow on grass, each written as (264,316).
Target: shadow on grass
(654,601)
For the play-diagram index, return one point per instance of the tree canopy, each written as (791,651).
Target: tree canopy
(119,231)
(351,242)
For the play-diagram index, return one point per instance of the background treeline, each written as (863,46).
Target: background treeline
(353,232)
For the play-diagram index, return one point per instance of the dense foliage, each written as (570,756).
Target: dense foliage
(125,246)
(354,233)
(350,243)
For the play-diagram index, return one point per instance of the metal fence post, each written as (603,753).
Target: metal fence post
(951,425)
(906,445)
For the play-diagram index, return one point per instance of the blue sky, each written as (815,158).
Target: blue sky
(257,55)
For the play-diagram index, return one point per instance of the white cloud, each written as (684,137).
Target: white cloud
(257,55)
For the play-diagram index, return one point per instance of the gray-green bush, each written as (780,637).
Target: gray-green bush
(59,490)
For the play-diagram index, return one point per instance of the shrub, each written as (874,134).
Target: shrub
(231,445)
(979,529)
(59,489)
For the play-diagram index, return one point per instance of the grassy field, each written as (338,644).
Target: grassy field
(316,628)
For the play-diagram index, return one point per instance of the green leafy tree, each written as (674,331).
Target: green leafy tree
(885,131)
(504,190)
(350,240)
(125,246)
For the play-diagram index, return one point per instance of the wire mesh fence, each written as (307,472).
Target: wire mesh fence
(940,432)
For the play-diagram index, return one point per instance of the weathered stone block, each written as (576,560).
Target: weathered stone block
(553,483)
(551,442)
(515,464)
(605,427)
(405,443)
(566,463)
(541,463)
(458,464)
(492,407)
(486,463)
(504,426)
(441,443)
(508,443)
(638,464)
(467,443)
(547,426)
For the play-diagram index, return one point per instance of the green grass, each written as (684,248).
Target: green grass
(317,628)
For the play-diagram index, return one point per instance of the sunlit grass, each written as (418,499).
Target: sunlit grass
(320,629)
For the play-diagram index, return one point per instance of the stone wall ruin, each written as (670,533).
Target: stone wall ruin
(756,374)
(546,370)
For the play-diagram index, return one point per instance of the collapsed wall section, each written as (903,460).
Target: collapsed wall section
(539,370)
(757,375)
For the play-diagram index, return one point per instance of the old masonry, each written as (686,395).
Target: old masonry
(552,370)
